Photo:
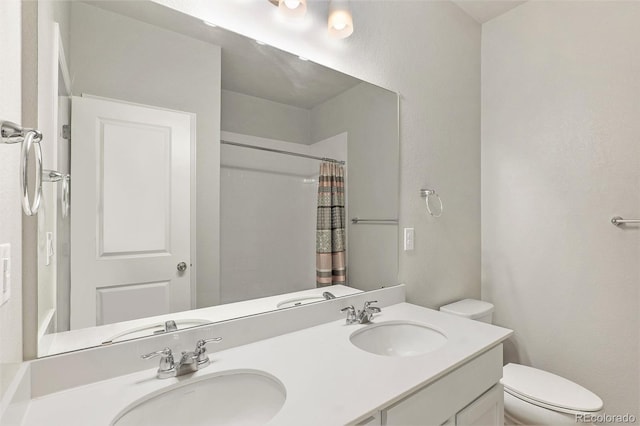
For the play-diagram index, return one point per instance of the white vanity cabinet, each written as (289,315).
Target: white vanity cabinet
(469,395)
(488,410)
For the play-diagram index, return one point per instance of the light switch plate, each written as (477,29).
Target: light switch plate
(5,273)
(408,239)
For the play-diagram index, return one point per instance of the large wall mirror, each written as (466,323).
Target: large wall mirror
(198,176)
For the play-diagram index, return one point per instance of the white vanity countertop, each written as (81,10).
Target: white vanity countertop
(328,380)
(73,340)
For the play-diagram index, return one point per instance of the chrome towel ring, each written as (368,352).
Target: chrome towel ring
(426,194)
(11,133)
(55,176)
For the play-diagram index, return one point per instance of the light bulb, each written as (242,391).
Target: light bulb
(294,9)
(339,25)
(292,4)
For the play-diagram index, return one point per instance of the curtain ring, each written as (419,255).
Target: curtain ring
(426,194)
(31,139)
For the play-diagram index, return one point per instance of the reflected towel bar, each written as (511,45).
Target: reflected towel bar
(357,220)
(618,221)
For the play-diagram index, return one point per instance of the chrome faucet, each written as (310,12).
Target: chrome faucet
(362,316)
(168,326)
(328,295)
(351,314)
(189,361)
(366,314)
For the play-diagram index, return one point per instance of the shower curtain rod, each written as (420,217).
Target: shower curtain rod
(278,151)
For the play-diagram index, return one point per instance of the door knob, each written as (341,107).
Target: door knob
(182,266)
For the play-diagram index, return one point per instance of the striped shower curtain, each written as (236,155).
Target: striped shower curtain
(330,230)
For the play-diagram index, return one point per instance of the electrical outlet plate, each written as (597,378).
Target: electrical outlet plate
(5,273)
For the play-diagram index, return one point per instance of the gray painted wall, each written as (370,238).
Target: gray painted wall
(560,157)
(185,77)
(10,198)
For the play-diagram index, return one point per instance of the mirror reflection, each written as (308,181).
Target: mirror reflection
(210,177)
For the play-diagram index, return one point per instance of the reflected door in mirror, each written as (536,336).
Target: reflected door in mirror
(130,225)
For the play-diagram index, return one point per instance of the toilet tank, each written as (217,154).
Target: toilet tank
(470,308)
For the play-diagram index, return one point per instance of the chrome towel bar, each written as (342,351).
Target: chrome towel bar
(618,221)
(11,133)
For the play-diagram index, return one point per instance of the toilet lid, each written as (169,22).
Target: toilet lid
(548,389)
(468,308)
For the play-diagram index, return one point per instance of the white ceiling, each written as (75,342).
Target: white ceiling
(485,10)
(247,67)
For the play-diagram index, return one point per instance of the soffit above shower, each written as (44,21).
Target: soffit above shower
(485,10)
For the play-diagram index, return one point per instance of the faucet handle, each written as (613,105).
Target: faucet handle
(166,359)
(166,352)
(368,309)
(201,351)
(203,342)
(349,309)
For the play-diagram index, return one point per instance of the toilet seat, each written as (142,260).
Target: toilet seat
(547,406)
(548,390)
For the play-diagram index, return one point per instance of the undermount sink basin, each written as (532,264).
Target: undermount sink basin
(302,300)
(398,338)
(231,398)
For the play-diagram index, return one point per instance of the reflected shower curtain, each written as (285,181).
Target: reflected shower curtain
(330,229)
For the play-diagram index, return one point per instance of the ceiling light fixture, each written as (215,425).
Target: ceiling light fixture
(340,23)
(211,24)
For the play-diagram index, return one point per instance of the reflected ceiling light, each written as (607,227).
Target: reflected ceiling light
(302,58)
(295,9)
(340,23)
(211,24)
(261,43)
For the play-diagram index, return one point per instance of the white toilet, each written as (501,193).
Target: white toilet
(533,396)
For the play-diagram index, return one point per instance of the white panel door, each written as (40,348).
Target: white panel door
(130,226)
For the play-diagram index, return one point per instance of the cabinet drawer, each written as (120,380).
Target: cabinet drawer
(488,410)
(437,402)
